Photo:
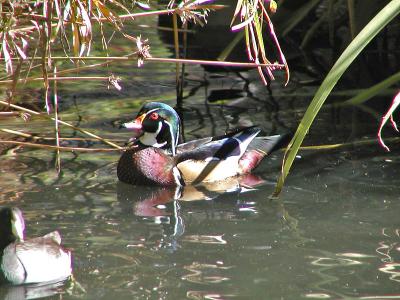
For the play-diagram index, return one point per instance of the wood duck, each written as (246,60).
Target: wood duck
(156,158)
(36,260)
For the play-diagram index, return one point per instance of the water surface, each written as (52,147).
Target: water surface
(333,233)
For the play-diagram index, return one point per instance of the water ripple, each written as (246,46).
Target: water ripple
(204,239)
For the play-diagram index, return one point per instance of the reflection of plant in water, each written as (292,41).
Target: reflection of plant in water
(329,267)
(199,272)
(390,265)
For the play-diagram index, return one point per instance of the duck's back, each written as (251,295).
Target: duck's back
(40,259)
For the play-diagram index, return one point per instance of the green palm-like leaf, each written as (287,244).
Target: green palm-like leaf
(391,10)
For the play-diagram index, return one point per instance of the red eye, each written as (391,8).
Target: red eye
(154,116)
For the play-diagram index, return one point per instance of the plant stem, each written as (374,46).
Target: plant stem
(177,65)
(59,148)
(352,23)
(168,60)
(45,138)
(57,79)
(61,122)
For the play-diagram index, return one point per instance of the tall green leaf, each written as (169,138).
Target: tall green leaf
(391,10)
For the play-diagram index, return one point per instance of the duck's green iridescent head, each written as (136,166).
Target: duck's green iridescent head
(158,125)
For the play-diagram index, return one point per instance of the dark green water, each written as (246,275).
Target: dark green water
(334,233)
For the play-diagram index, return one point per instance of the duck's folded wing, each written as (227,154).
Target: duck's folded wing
(213,161)
(12,269)
(55,236)
(217,159)
(268,144)
(259,148)
(44,260)
(189,146)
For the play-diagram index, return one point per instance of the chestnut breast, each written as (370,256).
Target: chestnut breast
(146,166)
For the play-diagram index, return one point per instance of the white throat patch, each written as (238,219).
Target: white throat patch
(149,138)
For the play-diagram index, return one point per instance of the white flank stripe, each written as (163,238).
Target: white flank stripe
(177,176)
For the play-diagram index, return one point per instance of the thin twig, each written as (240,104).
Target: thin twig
(8,113)
(60,148)
(79,149)
(120,17)
(170,60)
(61,122)
(66,78)
(343,145)
(45,138)
(56,127)
(176,46)
(149,59)
(66,71)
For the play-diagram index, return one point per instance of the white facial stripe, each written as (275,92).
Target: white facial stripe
(173,138)
(152,110)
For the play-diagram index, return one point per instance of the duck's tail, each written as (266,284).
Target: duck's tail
(269,144)
(259,148)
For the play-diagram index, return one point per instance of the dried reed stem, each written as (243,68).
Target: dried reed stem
(61,122)
(168,60)
(58,148)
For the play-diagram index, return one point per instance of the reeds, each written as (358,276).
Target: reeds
(31,32)
(363,38)
(253,16)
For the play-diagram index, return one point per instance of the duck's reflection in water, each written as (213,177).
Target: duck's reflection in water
(151,201)
(163,204)
(32,291)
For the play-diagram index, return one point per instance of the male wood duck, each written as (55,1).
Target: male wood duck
(156,158)
(36,260)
